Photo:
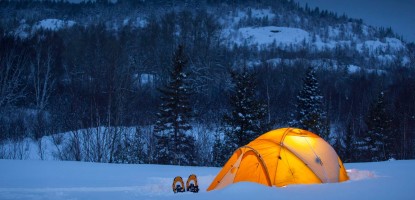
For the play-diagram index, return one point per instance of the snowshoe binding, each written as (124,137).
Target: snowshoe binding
(191,184)
(178,184)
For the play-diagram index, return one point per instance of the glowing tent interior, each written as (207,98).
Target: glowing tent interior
(282,157)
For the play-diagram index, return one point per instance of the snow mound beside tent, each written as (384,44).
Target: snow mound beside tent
(356,175)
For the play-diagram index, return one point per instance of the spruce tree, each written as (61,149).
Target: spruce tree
(345,144)
(379,139)
(174,145)
(349,144)
(131,149)
(247,119)
(310,114)
(218,156)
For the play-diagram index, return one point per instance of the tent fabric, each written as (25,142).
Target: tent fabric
(282,157)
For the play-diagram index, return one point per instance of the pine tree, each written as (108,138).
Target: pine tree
(310,114)
(379,139)
(349,144)
(174,145)
(247,119)
(137,152)
(345,144)
(131,149)
(218,157)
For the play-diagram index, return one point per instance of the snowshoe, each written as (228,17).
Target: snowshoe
(191,184)
(178,184)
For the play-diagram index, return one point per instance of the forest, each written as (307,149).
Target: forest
(167,86)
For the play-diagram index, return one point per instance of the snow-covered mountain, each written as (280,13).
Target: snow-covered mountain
(261,27)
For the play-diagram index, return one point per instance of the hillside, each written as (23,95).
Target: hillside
(325,31)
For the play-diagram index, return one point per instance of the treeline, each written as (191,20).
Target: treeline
(92,76)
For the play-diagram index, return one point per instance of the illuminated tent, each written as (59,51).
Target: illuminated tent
(282,157)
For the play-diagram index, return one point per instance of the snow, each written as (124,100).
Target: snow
(146,78)
(384,50)
(376,45)
(356,69)
(51,179)
(34,179)
(261,13)
(234,17)
(264,36)
(289,37)
(138,22)
(53,24)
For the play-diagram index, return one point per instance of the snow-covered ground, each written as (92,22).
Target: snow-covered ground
(34,179)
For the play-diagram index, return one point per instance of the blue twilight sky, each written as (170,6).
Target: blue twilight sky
(398,14)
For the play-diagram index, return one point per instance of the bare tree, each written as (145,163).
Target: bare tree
(57,140)
(41,146)
(14,149)
(12,87)
(43,79)
(73,150)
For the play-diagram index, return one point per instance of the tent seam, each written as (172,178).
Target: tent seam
(262,162)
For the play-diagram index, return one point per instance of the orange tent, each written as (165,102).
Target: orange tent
(282,157)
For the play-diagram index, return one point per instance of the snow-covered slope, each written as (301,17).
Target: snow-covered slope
(264,36)
(285,37)
(25,30)
(33,179)
(259,27)
(53,24)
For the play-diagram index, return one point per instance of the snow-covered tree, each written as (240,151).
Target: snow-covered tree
(131,149)
(310,114)
(247,119)
(379,138)
(174,145)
